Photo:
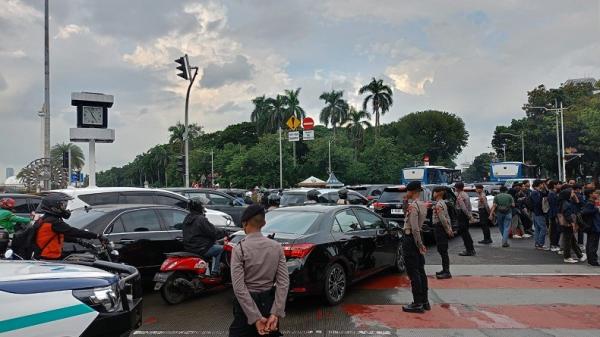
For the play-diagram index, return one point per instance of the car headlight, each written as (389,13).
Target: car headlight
(105,299)
(228,220)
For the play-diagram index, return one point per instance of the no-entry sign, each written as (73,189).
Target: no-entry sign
(308,123)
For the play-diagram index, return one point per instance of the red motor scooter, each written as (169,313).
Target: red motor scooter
(184,274)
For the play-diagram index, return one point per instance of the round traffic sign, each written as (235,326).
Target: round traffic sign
(308,123)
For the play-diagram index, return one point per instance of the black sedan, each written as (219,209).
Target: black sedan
(142,234)
(216,200)
(329,247)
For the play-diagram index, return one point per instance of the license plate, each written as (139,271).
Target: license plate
(396,211)
(161,277)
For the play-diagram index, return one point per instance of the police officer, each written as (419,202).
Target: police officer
(464,217)
(442,230)
(414,250)
(484,213)
(343,197)
(259,278)
(274,200)
(312,197)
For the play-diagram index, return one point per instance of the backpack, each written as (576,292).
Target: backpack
(545,205)
(24,242)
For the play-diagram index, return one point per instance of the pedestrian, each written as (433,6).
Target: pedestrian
(442,230)
(552,213)
(578,201)
(464,217)
(484,212)
(502,211)
(274,201)
(567,220)
(312,197)
(260,280)
(9,221)
(591,215)
(414,250)
(343,197)
(539,219)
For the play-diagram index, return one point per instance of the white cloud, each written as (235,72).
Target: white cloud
(67,31)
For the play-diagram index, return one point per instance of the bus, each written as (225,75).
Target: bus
(430,175)
(504,170)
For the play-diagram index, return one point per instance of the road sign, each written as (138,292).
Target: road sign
(308,123)
(75,177)
(293,123)
(294,136)
(308,135)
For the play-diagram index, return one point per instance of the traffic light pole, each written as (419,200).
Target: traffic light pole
(185,134)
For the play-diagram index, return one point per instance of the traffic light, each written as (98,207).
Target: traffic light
(181,164)
(65,163)
(184,67)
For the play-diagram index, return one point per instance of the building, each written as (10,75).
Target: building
(9,172)
(577,81)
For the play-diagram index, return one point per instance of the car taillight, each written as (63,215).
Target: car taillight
(298,251)
(378,206)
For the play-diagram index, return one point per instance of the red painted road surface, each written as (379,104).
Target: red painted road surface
(457,316)
(489,282)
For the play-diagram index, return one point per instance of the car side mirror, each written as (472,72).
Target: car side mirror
(8,254)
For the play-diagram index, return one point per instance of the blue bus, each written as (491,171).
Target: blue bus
(430,175)
(505,170)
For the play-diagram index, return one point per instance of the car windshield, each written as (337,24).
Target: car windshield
(291,199)
(392,196)
(80,218)
(289,222)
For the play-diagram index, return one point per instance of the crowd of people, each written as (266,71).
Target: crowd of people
(562,217)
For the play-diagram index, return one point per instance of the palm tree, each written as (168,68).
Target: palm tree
(356,125)
(77,157)
(277,112)
(178,130)
(260,113)
(335,110)
(381,97)
(293,109)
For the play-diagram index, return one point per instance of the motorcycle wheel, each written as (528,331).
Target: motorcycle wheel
(171,293)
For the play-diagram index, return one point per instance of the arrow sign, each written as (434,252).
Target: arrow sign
(308,123)
(293,123)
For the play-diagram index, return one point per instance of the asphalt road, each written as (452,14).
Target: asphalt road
(516,291)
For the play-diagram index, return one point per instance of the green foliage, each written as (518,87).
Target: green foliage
(480,168)
(77,157)
(336,108)
(380,96)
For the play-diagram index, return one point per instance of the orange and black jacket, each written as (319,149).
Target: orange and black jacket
(52,234)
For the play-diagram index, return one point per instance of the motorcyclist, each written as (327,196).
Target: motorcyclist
(274,201)
(8,220)
(343,194)
(312,197)
(53,231)
(200,236)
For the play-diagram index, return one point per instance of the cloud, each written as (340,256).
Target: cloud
(217,75)
(3,84)
(67,31)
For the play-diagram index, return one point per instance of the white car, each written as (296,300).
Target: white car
(94,196)
(475,202)
(41,299)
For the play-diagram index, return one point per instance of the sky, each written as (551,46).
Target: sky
(476,59)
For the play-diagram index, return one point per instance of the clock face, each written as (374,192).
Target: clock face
(92,115)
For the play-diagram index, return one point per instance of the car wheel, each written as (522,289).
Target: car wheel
(399,265)
(336,284)
(171,293)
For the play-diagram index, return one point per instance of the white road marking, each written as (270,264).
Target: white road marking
(285,332)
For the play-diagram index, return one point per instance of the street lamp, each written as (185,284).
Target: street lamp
(559,151)
(522,135)
(504,150)
(186,74)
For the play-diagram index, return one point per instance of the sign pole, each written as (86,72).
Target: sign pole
(280,162)
(70,163)
(92,161)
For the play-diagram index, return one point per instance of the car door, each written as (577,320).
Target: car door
(173,222)
(353,242)
(140,239)
(386,240)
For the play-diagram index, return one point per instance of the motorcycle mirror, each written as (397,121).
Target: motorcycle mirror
(114,252)
(8,254)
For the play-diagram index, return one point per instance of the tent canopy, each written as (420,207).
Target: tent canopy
(312,182)
(333,181)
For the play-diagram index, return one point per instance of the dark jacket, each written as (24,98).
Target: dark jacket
(553,202)
(591,215)
(199,234)
(536,201)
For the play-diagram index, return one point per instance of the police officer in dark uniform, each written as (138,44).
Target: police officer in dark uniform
(414,250)
(260,280)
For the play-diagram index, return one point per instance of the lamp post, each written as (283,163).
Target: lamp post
(522,135)
(504,150)
(560,151)
(186,73)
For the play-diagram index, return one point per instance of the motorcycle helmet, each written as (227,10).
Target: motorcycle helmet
(274,199)
(343,193)
(7,203)
(196,205)
(312,195)
(56,204)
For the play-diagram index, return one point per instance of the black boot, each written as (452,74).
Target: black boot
(467,253)
(426,306)
(414,308)
(444,275)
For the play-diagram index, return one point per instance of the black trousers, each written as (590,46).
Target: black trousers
(441,241)
(591,247)
(484,222)
(569,243)
(554,232)
(240,327)
(415,268)
(463,228)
